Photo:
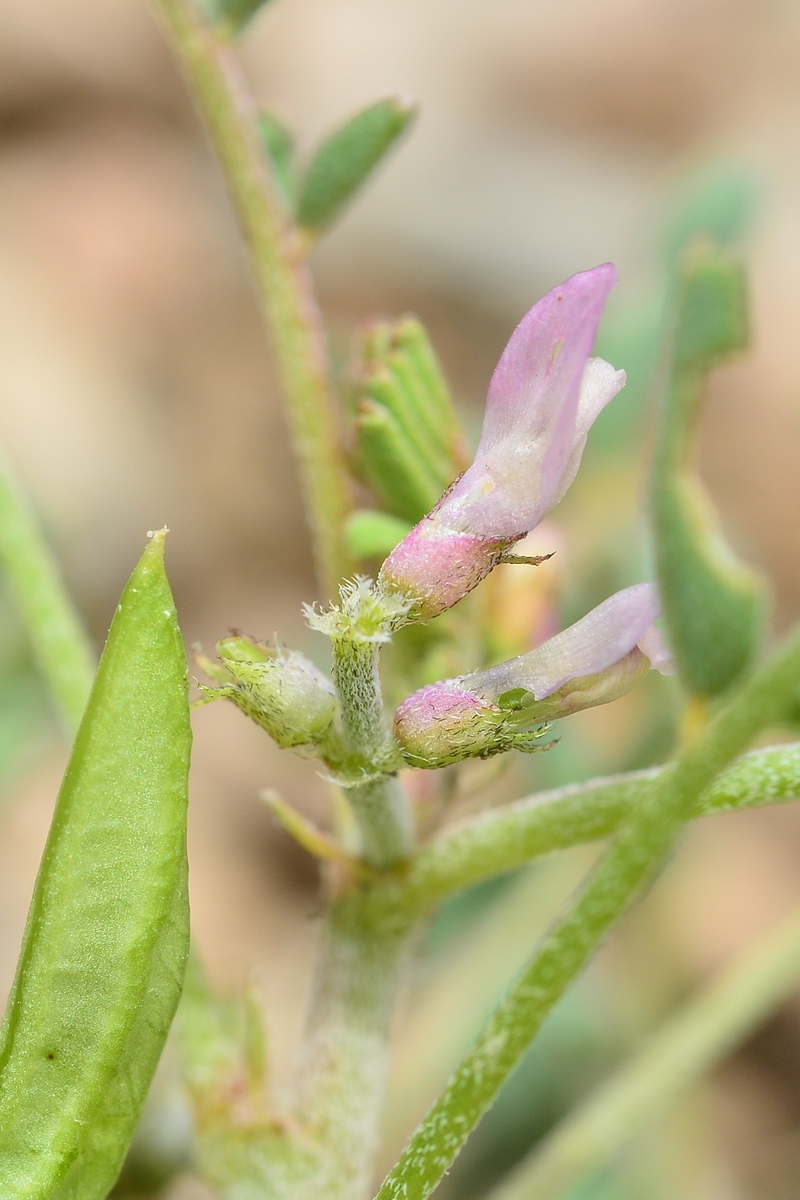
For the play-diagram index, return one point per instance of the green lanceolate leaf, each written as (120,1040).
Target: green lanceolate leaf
(346,158)
(102,960)
(278,141)
(713,604)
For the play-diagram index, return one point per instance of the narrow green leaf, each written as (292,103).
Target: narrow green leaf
(60,643)
(278,141)
(346,158)
(713,604)
(372,534)
(103,956)
(392,467)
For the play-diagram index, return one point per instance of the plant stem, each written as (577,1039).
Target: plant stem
(282,276)
(503,839)
(768,698)
(60,643)
(688,1044)
(379,804)
(344,1057)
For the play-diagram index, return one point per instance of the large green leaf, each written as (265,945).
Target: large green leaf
(104,952)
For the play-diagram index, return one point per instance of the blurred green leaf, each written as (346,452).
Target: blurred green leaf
(719,203)
(233,14)
(346,158)
(102,960)
(58,639)
(278,141)
(713,604)
(371,534)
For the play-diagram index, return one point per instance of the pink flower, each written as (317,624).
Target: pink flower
(598,659)
(543,399)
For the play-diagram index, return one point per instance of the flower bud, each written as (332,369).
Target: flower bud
(543,399)
(281,690)
(596,660)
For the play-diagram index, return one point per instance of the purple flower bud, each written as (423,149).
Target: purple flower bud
(597,659)
(543,399)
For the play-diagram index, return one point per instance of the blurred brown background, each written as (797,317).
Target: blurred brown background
(136,390)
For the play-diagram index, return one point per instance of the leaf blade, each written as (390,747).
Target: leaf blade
(103,954)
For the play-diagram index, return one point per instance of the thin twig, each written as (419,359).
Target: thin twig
(692,1041)
(284,282)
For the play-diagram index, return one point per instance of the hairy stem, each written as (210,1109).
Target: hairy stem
(769,698)
(283,279)
(344,1057)
(60,643)
(505,838)
(380,806)
(688,1044)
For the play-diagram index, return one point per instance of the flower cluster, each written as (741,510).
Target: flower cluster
(543,399)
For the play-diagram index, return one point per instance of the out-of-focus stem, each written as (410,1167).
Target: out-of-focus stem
(344,1058)
(770,697)
(283,279)
(60,643)
(686,1046)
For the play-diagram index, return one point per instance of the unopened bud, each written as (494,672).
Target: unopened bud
(281,690)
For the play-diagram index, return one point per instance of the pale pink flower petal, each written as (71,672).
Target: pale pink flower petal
(544,395)
(603,637)
(596,660)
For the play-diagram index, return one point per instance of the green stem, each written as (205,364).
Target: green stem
(698,1036)
(60,643)
(344,1058)
(378,802)
(767,699)
(503,839)
(283,280)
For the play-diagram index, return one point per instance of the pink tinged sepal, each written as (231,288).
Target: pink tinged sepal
(598,659)
(544,396)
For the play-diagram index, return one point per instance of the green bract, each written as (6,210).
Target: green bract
(103,956)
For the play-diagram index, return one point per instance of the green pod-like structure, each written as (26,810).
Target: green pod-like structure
(410,446)
(393,468)
(104,950)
